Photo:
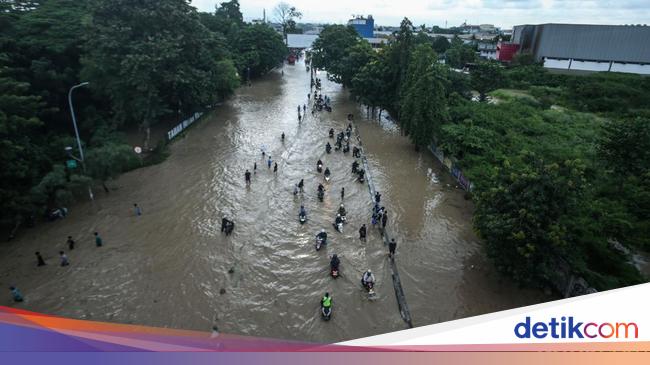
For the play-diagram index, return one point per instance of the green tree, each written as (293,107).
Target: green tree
(440,44)
(423,100)
(151,58)
(526,217)
(107,161)
(400,57)
(370,85)
(486,76)
(624,209)
(626,146)
(230,10)
(459,83)
(356,57)
(46,50)
(260,48)
(459,54)
(331,47)
(21,147)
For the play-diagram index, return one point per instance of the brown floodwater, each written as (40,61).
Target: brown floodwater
(168,267)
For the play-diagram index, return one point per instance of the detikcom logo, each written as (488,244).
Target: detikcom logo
(567,327)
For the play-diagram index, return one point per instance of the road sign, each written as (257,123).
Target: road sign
(72,164)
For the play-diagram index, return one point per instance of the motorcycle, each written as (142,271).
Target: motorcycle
(334,272)
(370,287)
(230,226)
(326,313)
(327,176)
(331,133)
(302,218)
(328,149)
(338,227)
(320,242)
(319,168)
(321,195)
(344,219)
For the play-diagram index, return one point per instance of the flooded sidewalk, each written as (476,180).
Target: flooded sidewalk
(172,267)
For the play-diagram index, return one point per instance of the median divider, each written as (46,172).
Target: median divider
(397,283)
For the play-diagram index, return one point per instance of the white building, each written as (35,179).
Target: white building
(585,47)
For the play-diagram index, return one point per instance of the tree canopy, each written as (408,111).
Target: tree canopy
(559,164)
(146,61)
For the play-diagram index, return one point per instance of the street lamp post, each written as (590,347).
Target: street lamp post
(76,132)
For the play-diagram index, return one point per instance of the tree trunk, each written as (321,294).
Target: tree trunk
(380,110)
(105,187)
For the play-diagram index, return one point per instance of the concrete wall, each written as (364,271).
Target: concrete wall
(589,66)
(554,63)
(631,68)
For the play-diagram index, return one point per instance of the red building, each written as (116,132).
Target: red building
(506,51)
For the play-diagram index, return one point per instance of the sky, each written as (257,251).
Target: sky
(502,13)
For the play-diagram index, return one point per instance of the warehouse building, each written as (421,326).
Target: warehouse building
(582,47)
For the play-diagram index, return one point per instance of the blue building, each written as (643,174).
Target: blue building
(364,26)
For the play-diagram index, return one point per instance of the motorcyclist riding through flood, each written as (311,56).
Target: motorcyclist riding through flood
(368,279)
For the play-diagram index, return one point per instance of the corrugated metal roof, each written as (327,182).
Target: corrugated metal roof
(622,43)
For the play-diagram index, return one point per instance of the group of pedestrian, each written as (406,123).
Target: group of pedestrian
(379,216)
(64,260)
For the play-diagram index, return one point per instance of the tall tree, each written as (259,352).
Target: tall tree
(370,85)
(400,55)
(48,44)
(21,147)
(423,99)
(331,47)
(356,57)
(286,15)
(230,10)
(151,58)
(259,48)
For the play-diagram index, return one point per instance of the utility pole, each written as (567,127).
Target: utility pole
(76,132)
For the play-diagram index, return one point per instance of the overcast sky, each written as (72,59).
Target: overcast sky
(504,13)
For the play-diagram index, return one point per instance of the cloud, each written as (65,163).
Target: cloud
(505,13)
(442,4)
(512,4)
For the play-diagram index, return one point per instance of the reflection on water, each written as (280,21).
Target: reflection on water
(172,267)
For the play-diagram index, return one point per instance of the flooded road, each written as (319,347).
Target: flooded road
(172,267)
